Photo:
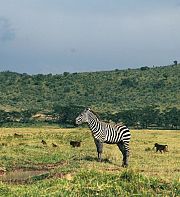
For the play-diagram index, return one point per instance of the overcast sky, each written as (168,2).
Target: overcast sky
(56,36)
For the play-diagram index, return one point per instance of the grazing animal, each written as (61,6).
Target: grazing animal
(54,145)
(161,148)
(4,144)
(16,135)
(43,142)
(75,143)
(106,133)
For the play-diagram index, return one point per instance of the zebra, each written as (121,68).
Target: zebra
(106,133)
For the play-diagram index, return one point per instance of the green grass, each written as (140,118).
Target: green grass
(76,172)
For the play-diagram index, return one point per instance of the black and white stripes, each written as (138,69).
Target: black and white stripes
(106,133)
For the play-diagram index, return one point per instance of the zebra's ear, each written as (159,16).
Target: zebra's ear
(88,108)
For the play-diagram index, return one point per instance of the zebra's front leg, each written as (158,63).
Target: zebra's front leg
(125,153)
(99,147)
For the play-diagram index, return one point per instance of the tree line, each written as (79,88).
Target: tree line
(114,90)
(148,117)
(140,118)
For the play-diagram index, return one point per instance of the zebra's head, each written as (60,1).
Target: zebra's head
(83,117)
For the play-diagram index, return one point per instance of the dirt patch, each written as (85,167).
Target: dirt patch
(68,176)
(40,171)
(113,169)
(41,166)
(23,176)
(51,165)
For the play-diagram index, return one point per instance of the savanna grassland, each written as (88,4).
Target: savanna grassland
(29,168)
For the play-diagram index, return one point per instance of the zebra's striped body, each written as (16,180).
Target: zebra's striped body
(106,133)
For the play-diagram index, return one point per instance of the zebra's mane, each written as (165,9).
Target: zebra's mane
(97,115)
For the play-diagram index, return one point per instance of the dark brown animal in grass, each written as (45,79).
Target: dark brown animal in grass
(75,143)
(54,145)
(161,148)
(16,135)
(43,142)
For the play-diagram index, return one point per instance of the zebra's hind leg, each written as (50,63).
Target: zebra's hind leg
(99,147)
(123,147)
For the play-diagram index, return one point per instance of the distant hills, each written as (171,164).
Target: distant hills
(111,91)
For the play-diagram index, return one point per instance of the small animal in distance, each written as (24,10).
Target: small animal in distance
(54,145)
(43,142)
(75,143)
(16,135)
(161,148)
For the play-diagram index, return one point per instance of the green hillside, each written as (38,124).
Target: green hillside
(112,91)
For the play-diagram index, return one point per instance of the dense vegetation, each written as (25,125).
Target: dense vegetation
(133,94)
(111,90)
(148,117)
